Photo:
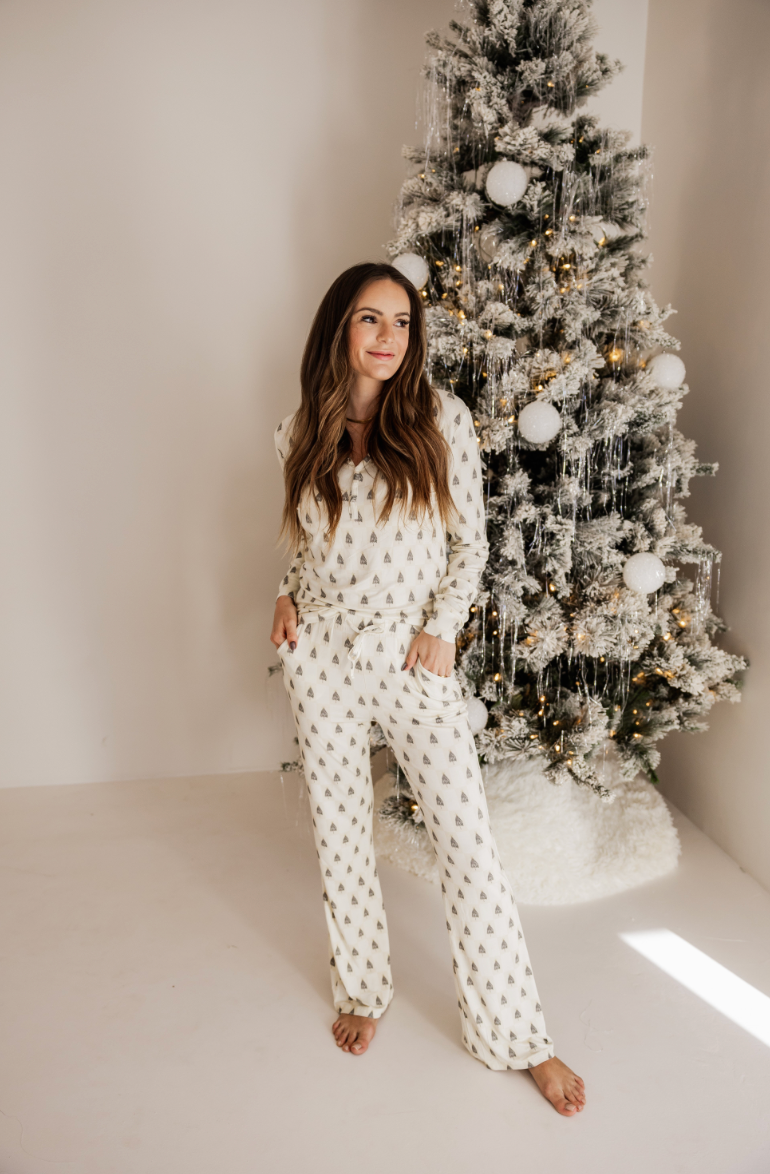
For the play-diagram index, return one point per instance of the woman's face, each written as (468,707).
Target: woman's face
(379,330)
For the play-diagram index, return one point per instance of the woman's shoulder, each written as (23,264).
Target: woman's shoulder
(283,436)
(453,416)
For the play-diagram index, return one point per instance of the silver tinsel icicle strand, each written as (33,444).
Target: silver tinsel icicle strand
(544,299)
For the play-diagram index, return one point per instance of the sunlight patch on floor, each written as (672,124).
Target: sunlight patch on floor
(709,980)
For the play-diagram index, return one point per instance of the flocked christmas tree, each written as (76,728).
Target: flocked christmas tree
(521,224)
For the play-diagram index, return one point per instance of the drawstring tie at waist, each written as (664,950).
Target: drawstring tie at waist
(374,627)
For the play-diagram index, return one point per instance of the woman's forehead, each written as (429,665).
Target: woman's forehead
(384,297)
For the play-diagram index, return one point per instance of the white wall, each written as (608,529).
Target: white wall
(621,34)
(707,113)
(181,182)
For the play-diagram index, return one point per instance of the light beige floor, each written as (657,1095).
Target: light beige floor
(165,1007)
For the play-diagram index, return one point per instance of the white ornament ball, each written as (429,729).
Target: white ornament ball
(478,714)
(414,268)
(605,230)
(488,241)
(506,183)
(644,573)
(539,422)
(668,371)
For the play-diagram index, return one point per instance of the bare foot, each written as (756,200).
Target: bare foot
(560,1085)
(354,1033)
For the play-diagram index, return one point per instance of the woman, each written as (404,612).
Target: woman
(379,468)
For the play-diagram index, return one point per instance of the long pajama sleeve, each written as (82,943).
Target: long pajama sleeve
(469,548)
(290,582)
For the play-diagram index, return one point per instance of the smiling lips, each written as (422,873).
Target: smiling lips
(381,354)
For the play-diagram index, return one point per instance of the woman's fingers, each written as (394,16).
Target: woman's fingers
(285,623)
(436,655)
(291,631)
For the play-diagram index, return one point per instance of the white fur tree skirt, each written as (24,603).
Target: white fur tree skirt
(558,844)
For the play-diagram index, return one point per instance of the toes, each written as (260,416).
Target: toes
(576,1101)
(351,1038)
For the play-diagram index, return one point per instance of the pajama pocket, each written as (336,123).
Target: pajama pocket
(437,687)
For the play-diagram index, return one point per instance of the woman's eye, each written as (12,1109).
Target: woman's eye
(371,318)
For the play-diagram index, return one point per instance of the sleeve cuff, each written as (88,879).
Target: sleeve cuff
(435,626)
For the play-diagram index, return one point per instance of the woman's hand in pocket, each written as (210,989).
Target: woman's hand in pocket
(284,622)
(436,655)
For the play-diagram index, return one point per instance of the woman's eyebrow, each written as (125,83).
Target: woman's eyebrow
(372,310)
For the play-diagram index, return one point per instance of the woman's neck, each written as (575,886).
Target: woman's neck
(363,398)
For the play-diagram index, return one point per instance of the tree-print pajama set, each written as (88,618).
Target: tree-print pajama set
(361,601)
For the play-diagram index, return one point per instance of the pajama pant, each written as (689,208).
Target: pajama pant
(345,673)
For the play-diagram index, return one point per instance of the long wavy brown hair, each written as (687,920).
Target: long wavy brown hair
(409,451)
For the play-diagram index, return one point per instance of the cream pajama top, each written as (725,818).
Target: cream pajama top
(400,567)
